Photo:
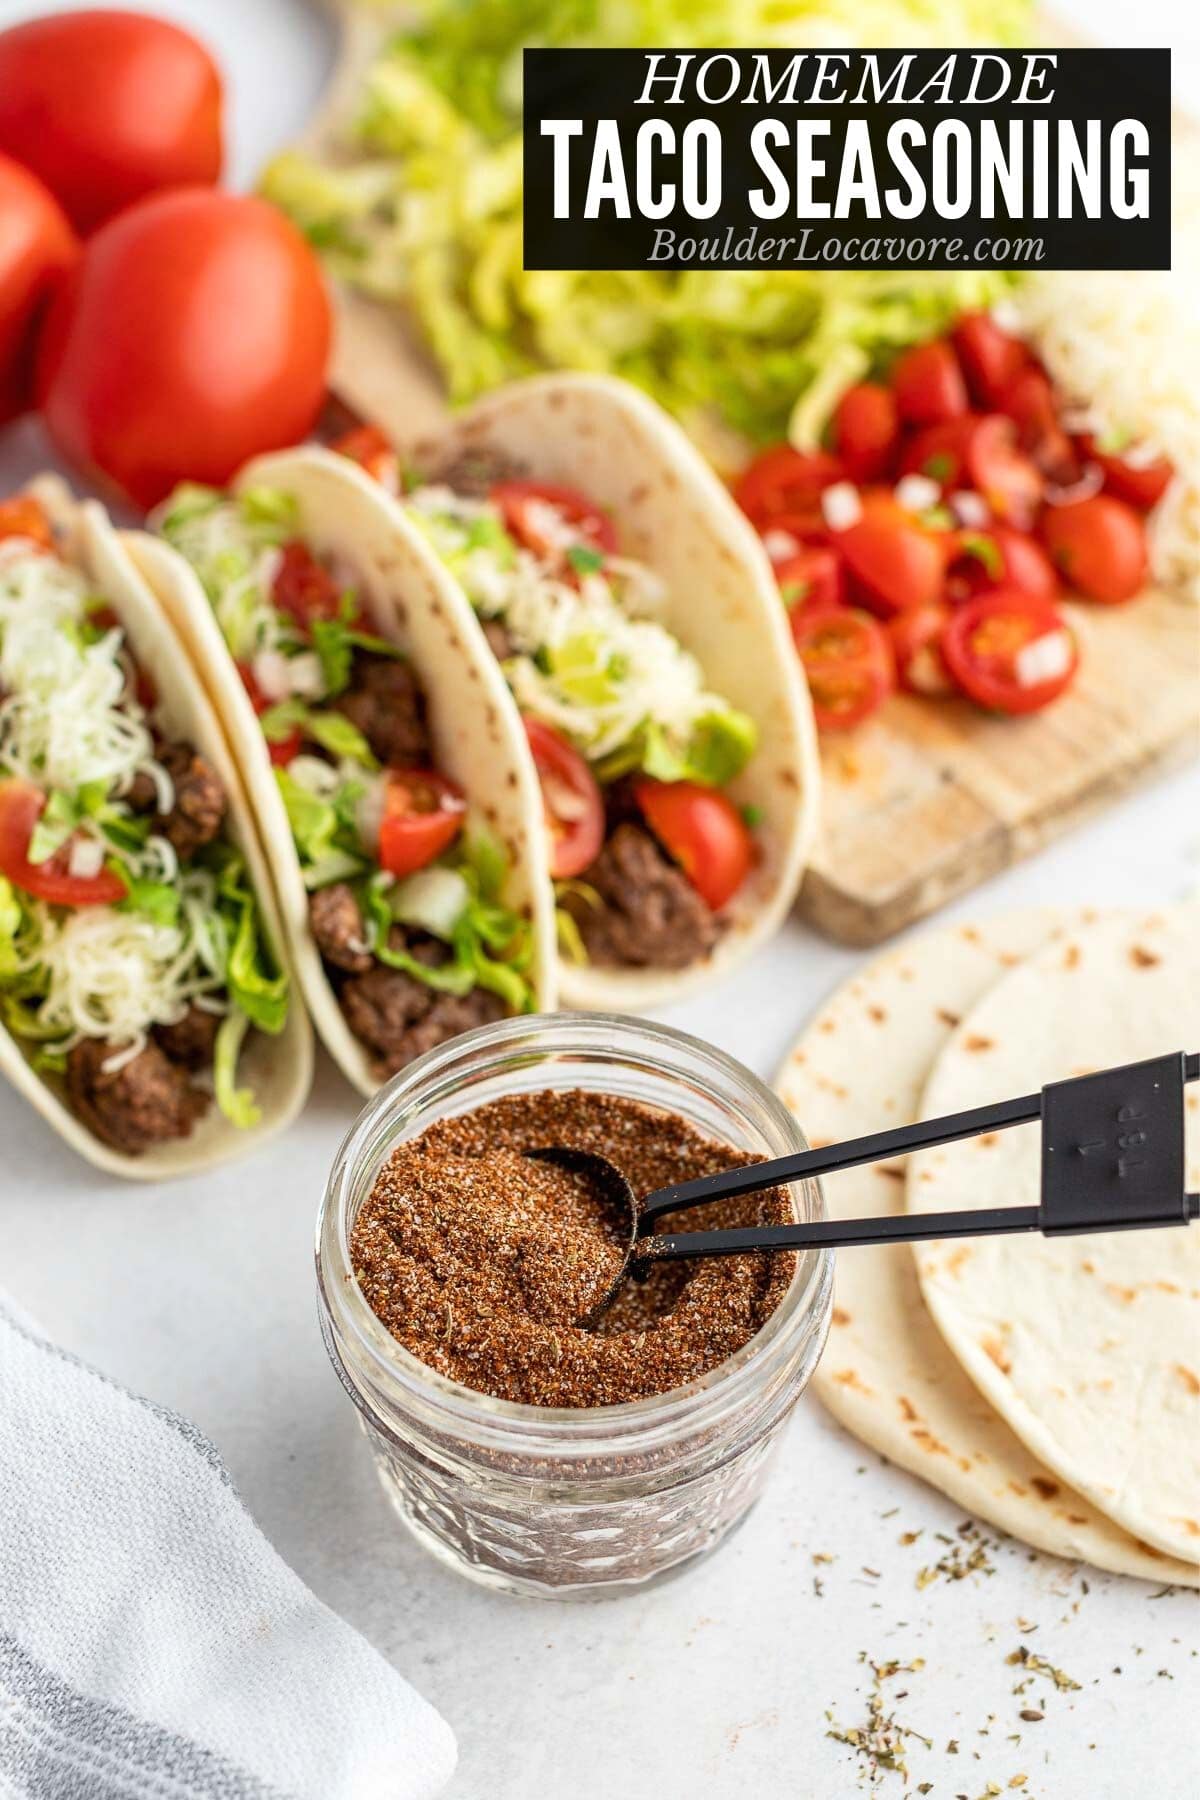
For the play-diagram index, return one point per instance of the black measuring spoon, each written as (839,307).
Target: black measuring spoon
(1112,1160)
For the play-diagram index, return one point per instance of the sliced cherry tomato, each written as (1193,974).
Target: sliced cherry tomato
(1098,545)
(571,799)
(373,451)
(916,638)
(928,384)
(979,452)
(423,813)
(1000,556)
(814,576)
(304,589)
(866,430)
(25,517)
(552,520)
(898,561)
(21,806)
(704,832)
(848,662)
(1140,484)
(783,480)
(991,358)
(1029,402)
(1009,652)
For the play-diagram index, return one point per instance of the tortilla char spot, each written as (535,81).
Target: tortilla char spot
(1168,1287)
(1088,1266)
(850,1378)
(889,1172)
(995,1351)
(953,1020)
(827,1027)
(988,1139)
(556,401)
(640,494)
(1015,1487)
(968,934)
(787,778)
(1078,1519)
(840,1316)
(1143,959)
(1189,1525)
(1126,1295)
(908,1411)
(977,1043)
(928,1442)
(820,1143)
(1072,956)
(957,1261)
(1189,1378)
(1046,1488)
(878,1013)
(511,778)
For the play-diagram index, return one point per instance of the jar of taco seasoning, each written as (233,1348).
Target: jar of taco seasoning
(570,1502)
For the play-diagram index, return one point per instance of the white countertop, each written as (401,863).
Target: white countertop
(201,1296)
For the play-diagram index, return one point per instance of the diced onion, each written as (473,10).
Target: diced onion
(86,858)
(432,899)
(969,508)
(841,506)
(917,493)
(1043,659)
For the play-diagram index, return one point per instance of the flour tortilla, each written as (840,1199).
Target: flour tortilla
(1088,1346)
(673,514)
(476,731)
(886,1373)
(279,1069)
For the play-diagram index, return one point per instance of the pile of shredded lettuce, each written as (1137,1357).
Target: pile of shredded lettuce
(422,206)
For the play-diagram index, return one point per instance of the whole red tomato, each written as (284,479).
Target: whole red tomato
(193,334)
(107,107)
(37,247)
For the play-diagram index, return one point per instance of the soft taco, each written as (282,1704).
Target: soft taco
(381,750)
(637,623)
(145,1003)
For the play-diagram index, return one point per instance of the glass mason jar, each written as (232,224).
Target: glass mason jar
(554,1501)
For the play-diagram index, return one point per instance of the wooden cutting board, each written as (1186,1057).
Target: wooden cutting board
(926,800)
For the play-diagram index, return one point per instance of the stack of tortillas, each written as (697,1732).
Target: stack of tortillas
(1048,1385)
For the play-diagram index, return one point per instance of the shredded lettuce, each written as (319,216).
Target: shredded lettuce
(10,925)
(424,209)
(324,831)
(237,1104)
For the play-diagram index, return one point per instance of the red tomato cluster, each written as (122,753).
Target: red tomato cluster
(927,543)
(191,330)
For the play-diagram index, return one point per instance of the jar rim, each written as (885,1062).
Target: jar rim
(801,1308)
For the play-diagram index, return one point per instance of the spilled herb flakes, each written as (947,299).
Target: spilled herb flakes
(881,1742)
(1023,1657)
(967,1555)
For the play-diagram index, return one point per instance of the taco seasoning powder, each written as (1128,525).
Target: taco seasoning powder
(479,1261)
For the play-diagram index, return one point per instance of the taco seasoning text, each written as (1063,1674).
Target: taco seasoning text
(480,1261)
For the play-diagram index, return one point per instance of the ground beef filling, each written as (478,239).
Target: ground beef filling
(387,705)
(152,1098)
(636,909)
(480,1262)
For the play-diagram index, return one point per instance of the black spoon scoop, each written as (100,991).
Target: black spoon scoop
(1112,1160)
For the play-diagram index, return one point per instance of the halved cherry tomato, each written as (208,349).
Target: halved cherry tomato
(991,358)
(1000,556)
(25,517)
(1140,484)
(898,561)
(373,451)
(812,577)
(571,799)
(21,806)
(303,588)
(283,750)
(549,520)
(704,832)
(939,452)
(928,384)
(1099,546)
(783,480)
(979,452)
(1029,402)
(848,662)
(866,430)
(992,649)
(423,813)
(916,637)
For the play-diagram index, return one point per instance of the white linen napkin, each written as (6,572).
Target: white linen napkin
(153,1646)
